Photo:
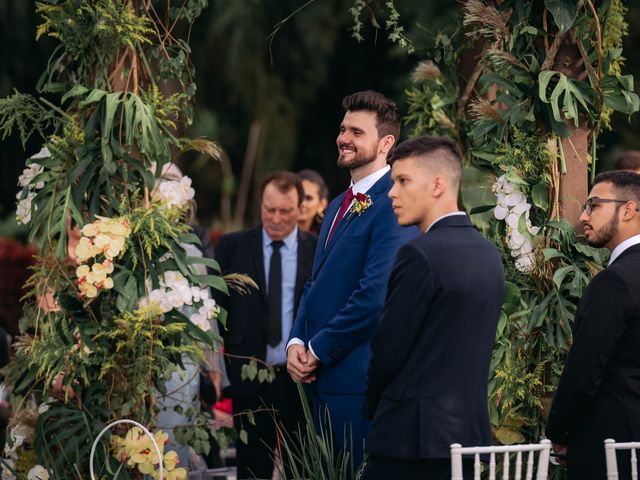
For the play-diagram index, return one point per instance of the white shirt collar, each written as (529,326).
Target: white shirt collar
(443,216)
(622,246)
(289,240)
(362,186)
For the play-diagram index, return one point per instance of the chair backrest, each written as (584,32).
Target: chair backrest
(518,451)
(610,448)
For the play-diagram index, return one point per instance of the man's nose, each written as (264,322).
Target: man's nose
(583,217)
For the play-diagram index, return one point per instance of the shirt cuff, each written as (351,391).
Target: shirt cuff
(293,341)
(312,352)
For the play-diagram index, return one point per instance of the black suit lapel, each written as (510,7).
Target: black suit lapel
(306,249)
(632,249)
(258,260)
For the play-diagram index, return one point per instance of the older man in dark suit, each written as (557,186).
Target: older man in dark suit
(427,382)
(598,396)
(278,256)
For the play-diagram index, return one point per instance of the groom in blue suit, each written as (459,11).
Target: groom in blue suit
(329,344)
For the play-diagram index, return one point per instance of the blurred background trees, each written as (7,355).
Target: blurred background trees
(269,91)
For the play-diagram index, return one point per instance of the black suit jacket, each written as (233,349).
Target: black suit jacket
(598,395)
(246,332)
(428,375)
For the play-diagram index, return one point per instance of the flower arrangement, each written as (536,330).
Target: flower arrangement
(513,208)
(361,202)
(135,449)
(119,299)
(103,239)
(29,187)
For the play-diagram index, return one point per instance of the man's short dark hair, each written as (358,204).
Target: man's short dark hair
(387,116)
(626,184)
(442,150)
(284,181)
(314,177)
(629,160)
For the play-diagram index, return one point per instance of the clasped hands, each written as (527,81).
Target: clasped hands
(301,364)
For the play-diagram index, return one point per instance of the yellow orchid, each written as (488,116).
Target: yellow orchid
(138,452)
(99,272)
(82,271)
(114,247)
(177,474)
(114,226)
(102,241)
(171,459)
(108,266)
(88,290)
(89,230)
(86,249)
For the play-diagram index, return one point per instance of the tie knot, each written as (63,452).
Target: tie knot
(277,244)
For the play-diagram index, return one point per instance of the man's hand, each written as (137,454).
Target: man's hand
(312,363)
(560,453)
(300,364)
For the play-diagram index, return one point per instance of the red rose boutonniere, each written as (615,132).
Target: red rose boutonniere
(361,202)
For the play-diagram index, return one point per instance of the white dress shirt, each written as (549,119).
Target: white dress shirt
(622,246)
(443,216)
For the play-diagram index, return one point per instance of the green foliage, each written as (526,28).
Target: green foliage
(512,129)
(154,231)
(26,114)
(312,454)
(65,433)
(197,435)
(356,12)
(250,371)
(432,102)
(564,13)
(396,32)
(108,130)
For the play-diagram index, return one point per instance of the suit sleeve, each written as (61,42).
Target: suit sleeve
(600,323)
(409,296)
(297,329)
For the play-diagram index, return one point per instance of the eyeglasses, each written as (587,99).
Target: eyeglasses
(595,201)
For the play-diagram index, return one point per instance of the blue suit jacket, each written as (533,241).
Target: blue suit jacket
(341,303)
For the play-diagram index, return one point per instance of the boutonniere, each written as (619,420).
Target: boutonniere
(361,202)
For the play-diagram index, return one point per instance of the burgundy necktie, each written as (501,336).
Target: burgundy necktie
(346,201)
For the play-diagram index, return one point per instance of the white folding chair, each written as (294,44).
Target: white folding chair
(610,448)
(542,470)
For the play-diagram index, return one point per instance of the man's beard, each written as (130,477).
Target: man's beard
(604,235)
(360,159)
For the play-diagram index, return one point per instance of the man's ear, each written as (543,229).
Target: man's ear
(630,211)
(439,185)
(386,143)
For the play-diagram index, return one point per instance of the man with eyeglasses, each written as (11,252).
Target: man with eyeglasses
(598,396)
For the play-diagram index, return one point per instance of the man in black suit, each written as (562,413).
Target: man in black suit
(279,258)
(427,381)
(598,395)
